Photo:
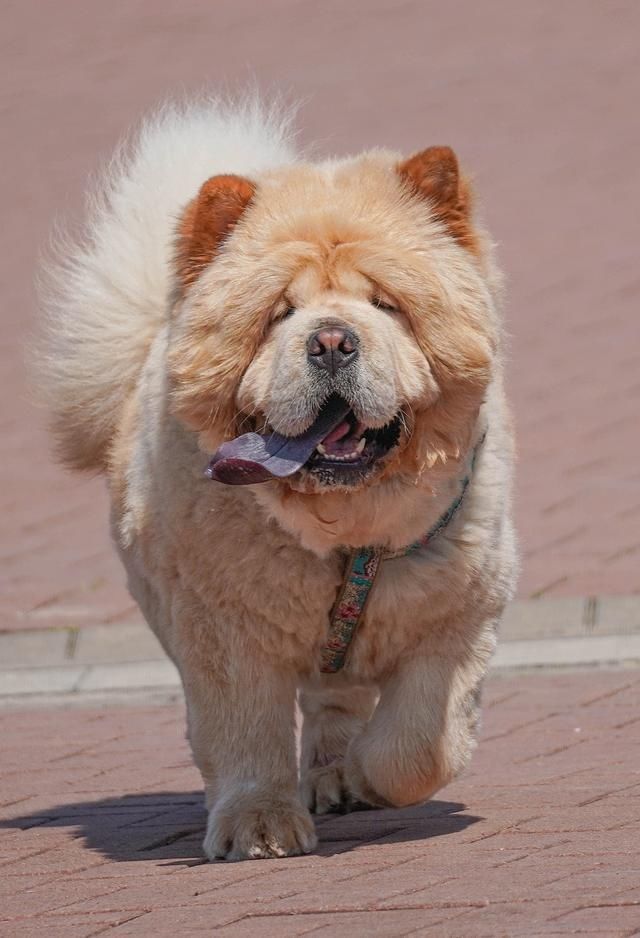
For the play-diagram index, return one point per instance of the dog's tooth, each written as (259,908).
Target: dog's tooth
(343,457)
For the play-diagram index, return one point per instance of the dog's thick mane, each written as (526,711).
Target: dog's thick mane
(107,294)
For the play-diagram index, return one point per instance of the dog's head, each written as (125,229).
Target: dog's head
(360,283)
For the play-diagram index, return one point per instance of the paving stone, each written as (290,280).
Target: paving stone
(66,926)
(618,614)
(34,647)
(543,618)
(591,917)
(56,680)
(117,642)
(129,674)
(386,924)
(114,835)
(554,652)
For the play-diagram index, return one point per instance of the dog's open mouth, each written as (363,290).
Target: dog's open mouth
(336,446)
(352,446)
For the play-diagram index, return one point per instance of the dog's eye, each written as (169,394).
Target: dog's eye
(385,307)
(289,311)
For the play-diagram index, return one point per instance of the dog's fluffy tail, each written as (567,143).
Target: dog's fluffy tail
(106,294)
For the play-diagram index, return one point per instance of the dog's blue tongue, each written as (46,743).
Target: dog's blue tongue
(254,457)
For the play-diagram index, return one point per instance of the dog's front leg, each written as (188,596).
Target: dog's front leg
(241,729)
(423,730)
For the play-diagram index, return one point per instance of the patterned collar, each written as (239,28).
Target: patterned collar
(360,574)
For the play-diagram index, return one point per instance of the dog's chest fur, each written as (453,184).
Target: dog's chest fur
(212,571)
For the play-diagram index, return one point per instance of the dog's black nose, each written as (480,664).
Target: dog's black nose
(331,348)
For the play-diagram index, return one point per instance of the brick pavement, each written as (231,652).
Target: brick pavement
(101,810)
(540,101)
(102,821)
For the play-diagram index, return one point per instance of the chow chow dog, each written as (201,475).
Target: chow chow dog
(291,374)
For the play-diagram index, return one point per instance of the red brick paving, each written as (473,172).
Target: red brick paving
(102,821)
(540,100)
(102,813)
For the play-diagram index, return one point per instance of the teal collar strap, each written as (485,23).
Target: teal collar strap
(360,574)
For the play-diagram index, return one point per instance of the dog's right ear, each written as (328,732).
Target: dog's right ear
(207,221)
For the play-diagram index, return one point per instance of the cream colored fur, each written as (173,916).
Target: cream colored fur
(105,297)
(238,583)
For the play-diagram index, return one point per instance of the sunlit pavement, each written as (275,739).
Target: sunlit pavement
(103,815)
(103,821)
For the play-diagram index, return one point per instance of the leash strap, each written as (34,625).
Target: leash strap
(360,575)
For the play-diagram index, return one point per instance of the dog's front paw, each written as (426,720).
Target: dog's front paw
(253,827)
(324,790)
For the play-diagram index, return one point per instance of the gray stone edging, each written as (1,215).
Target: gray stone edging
(127,658)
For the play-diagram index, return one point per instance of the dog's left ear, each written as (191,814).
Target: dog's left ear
(434,174)
(207,221)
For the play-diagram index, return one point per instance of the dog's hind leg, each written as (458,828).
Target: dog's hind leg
(332,717)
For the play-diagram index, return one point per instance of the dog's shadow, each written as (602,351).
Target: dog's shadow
(169,826)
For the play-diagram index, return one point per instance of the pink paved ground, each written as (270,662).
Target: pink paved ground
(540,100)
(103,819)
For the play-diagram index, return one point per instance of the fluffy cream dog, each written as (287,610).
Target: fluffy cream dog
(344,315)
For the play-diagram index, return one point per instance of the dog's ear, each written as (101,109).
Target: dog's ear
(434,175)
(207,221)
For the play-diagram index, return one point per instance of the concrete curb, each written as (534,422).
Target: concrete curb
(124,661)
(568,652)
